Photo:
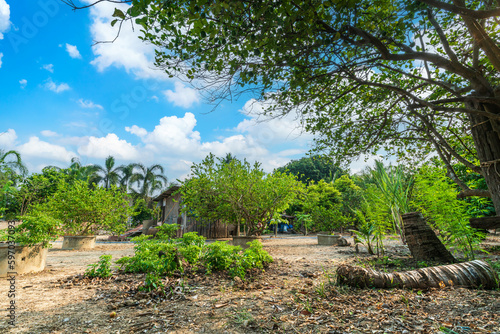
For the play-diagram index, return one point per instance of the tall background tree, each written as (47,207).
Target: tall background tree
(148,180)
(108,175)
(10,161)
(395,75)
(313,168)
(76,170)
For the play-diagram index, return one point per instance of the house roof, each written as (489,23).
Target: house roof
(166,194)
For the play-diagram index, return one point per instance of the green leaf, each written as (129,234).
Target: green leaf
(118,13)
(134,11)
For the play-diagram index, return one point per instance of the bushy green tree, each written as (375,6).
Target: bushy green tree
(324,202)
(237,192)
(84,210)
(352,197)
(313,168)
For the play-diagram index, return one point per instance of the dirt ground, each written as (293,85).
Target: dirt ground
(293,295)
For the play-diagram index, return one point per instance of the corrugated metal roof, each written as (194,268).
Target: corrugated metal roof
(166,194)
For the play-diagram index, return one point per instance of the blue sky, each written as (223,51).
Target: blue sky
(62,96)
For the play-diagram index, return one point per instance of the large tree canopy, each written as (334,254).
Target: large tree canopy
(366,75)
(313,168)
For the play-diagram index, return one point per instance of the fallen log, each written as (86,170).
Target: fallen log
(473,274)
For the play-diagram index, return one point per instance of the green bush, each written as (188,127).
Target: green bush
(152,282)
(100,269)
(158,257)
(192,238)
(255,256)
(167,231)
(220,256)
(191,253)
(147,257)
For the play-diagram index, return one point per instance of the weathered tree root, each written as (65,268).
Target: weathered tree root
(473,274)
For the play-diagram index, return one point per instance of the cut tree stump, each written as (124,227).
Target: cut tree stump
(473,274)
(423,243)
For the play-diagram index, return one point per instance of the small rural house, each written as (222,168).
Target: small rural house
(171,204)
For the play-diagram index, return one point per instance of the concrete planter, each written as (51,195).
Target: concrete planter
(146,224)
(78,242)
(28,259)
(328,240)
(242,240)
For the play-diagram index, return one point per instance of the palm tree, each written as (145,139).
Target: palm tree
(76,170)
(108,175)
(228,158)
(148,180)
(16,164)
(127,172)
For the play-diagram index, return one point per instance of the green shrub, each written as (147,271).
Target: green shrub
(100,269)
(255,256)
(192,238)
(152,282)
(219,255)
(159,257)
(167,231)
(191,253)
(147,259)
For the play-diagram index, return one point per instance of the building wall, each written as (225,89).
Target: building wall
(170,214)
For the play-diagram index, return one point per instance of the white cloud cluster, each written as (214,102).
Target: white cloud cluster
(110,145)
(48,133)
(183,96)
(127,51)
(4,17)
(36,148)
(174,135)
(23,83)
(87,104)
(7,139)
(57,88)
(73,51)
(1,55)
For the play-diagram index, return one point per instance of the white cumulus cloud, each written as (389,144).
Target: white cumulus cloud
(183,96)
(7,139)
(73,51)
(57,88)
(23,83)
(42,149)
(4,17)
(127,51)
(101,147)
(173,134)
(49,133)
(89,104)
(136,130)
(1,55)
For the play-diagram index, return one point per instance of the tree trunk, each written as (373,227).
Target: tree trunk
(422,242)
(486,135)
(473,274)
